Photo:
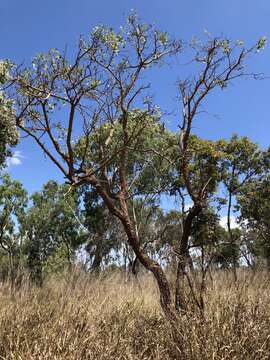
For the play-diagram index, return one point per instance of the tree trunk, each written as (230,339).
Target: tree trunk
(153,266)
(98,255)
(35,263)
(69,251)
(184,257)
(122,214)
(179,298)
(133,240)
(12,273)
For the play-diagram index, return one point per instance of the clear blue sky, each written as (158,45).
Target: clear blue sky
(28,27)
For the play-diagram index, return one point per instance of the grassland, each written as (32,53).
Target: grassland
(78,317)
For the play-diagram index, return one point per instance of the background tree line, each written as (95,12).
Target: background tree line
(60,226)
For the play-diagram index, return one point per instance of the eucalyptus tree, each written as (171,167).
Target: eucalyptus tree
(13,202)
(101,88)
(243,161)
(52,224)
(195,193)
(219,61)
(253,204)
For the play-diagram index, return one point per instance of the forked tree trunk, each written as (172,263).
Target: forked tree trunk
(163,285)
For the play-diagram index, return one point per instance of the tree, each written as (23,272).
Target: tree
(13,202)
(253,200)
(103,87)
(227,253)
(242,162)
(220,62)
(51,225)
(203,169)
(100,87)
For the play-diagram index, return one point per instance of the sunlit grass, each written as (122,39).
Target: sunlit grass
(79,317)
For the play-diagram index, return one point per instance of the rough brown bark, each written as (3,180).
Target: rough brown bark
(184,257)
(122,214)
(98,256)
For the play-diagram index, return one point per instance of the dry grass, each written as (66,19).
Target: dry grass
(112,319)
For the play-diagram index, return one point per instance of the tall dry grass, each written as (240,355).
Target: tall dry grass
(85,318)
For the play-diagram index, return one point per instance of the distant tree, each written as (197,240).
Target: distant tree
(104,231)
(227,253)
(254,206)
(51,225)
(13,202)
(156,229)
(242,162)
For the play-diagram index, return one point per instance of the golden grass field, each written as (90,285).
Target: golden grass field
(79,317)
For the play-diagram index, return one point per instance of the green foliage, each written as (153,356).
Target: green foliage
(261,43)
(13,202)
(204,159)
(8,130)
(148,145)
(206,229)
(52,222)
(5,67)
(242,160)
(103,231)
(254,206)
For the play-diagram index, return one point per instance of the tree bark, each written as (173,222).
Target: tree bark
(123,215)
(98,255)
(151,265)
(184,257)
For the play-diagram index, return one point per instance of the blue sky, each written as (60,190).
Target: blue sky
(28,27)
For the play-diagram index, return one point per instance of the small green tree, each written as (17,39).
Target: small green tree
(52,222)
(242,162)
(13,202)
(254,206)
